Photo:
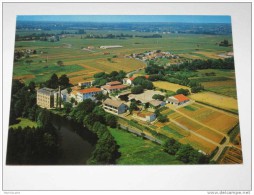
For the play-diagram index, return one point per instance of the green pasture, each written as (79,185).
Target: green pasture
(137,151)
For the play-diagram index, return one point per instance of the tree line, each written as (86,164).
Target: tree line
(97,120)
(102,78)
(30,145)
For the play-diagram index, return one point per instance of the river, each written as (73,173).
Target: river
(77,142)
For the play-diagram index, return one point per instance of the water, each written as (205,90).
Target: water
(77,142)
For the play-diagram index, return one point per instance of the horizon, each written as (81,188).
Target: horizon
(198,19)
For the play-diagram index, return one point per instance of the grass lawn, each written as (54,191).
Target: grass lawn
(137,151)
(24,122)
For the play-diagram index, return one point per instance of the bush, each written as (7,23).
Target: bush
(137,89)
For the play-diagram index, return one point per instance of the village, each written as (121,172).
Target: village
(120,100)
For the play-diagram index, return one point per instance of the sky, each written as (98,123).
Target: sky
(126,18)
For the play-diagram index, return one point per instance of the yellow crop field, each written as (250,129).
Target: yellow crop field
(212,135)
(217,100)
(168,86)
(199,143)
(188,123)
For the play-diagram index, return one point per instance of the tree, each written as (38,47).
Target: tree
(158,97)
(171,146)
(183,91)
(69,90)
(163,118)
(52,82)
(111,120)
(60,63)
(67,107)
(31,86)
(133,106)
(63,81)
(72,100)
(137,89)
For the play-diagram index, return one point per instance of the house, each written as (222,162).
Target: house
(86,83)
(178,99)
(128,81)
(87,93)
(113,86)
(45,97)
(155,104)
(114,106)
(144,116)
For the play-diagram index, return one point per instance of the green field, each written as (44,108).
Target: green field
(70,51)
(136,151)
(24,122)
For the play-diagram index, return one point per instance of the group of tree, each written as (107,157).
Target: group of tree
(198,64)
(102,78)
(183,91)
(54,82)
(225,43)
(184,152)
(144,82)
(30,145)
(149,36)
(158,97)
(97,121)
(23,101)
(161,117)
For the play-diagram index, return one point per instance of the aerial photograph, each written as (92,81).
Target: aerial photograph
(123,90)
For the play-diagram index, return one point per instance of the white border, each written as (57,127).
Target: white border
(212,177)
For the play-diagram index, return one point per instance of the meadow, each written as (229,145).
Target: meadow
(24,122)
(137,151)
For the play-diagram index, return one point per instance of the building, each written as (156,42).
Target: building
(64,97)
(178,99)
(45,97)
(110,46)
(86,83)
(155,104)
(129,81)
(144,116)
(114,106)
(88,93)
(113,86)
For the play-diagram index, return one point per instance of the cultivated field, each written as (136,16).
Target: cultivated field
(217,100)
(232,155)
(81,63)
(168,86)
(211,117)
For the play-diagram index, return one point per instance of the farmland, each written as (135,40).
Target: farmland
(168,86)
(81,63)
(231,155)
(216,100)
(135,150)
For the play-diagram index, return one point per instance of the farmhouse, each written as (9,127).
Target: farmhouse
(45,97)
(144,116)
(155,104)
(87,93)
(128,81)
(86,83)
(114,106)
(110,46)
(178,99)
(113,86)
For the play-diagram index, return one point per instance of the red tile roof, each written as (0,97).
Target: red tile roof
(132,78)
(89,90)
(114,83)
(181,97)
